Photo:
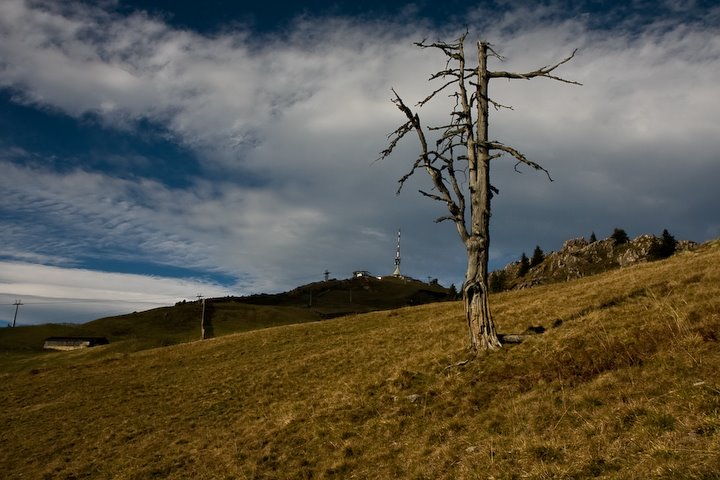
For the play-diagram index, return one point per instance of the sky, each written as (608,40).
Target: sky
(154,151)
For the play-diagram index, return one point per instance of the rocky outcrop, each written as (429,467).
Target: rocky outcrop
(579,258)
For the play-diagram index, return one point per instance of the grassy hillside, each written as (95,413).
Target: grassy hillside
(181,323)
(623,384)
(154,328)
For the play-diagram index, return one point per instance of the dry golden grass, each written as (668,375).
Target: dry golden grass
(623,384)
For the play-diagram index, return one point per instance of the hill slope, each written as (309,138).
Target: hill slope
(153,328)
(181,323)
(624,385)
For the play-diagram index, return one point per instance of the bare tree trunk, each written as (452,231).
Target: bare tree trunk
(475,292)
(475,297)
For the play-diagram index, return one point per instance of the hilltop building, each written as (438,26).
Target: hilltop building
(361,274)
(73,343)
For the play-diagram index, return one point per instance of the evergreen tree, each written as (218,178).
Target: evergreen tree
(538,256)
(669,243)
(453,294)
(524,265)
(663,247)
(498,281)
(619,236)
(593,238)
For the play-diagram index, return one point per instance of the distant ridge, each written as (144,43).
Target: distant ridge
(359,294)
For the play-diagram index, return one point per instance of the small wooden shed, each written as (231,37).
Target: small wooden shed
(73,343)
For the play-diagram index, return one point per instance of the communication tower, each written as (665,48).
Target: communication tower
(396,272)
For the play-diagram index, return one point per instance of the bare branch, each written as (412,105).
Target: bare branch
(440,156)
(447,48)
(459,213)
(492,102)
(450,146)
(518,156)
(443,127)
(541,72)
(415,166)
(445,73)
(493,52)
(433,196)
(452,133)
(394,138)
(497,105)
(426,157)
(429,97)
(455,210)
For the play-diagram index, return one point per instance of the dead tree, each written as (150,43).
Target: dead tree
(459,166)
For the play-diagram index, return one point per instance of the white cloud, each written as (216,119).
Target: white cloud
(286,128)
(56,295)
(212,226)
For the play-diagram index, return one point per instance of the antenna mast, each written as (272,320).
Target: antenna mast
(396,272)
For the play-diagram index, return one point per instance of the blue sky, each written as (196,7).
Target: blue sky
(152,151)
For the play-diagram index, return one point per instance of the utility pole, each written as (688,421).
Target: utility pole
(202,317)
(202,321)
(17,305)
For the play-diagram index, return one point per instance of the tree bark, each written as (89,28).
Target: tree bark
(475,292)
(481,327)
